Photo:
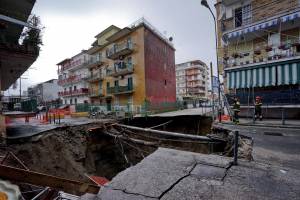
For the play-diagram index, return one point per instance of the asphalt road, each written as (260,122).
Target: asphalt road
(276,146)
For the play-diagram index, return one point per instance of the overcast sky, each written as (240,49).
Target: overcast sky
(70,26)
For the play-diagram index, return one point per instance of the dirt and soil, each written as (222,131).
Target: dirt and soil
(67,152)
(73,152)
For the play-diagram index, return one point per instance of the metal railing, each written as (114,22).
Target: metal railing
(121,68)
(81,91)
(119,47)
(96,93)
(95,77)
(119,89)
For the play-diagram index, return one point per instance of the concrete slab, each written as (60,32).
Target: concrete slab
(201,171)
(171,174)
(111,194)
(161,170)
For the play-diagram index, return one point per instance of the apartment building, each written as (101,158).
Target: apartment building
(259,49)
(135,64)
(44,92)
(72,74)
(192,80)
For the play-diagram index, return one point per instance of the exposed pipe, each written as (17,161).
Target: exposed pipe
(161,124)
(167,133)
(40,194)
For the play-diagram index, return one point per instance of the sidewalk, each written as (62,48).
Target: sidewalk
(275,123)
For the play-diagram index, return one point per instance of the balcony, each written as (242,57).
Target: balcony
(96,93)
(95,77)
(94,62)
(195,90)
(258,28)
(119,50)
(120,89)
(264,54)
(122,69)
(70,80)
(78,92)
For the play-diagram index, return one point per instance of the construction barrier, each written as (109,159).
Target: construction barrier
(80,114)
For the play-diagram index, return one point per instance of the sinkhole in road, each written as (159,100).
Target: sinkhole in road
(188,124)
(100,149)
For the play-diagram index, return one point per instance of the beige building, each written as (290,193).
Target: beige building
(192,80)
(259,49)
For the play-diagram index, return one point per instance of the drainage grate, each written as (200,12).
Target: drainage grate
(273,134)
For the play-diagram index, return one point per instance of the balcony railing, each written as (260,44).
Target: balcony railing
(120,89)
(118,50)
(69,80)
(264,53)
(96,93)
(94,61)
(95,77)
(122,68)
(81,91)
(195,90)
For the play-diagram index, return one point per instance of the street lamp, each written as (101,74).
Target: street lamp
(205,4)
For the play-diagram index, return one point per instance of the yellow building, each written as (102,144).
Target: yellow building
(131,66)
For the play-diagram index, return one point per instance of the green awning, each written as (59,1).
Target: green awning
(263,76)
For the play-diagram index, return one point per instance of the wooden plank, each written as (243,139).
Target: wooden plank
(39,179)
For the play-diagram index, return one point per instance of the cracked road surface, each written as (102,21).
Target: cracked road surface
(171,174)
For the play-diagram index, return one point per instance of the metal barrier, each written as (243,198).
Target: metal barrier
(236,147)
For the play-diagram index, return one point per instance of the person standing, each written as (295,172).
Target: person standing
(236,110)
(258,108)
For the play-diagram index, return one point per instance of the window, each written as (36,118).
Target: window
(165,82)
(238,17)
(107,85)
(71,101)
(116,83)
(100,85)
(75,101)
(243,15)
(247,14)
(130,83)
(66,101)
(129,41)
(75,87)
(129,60)
(70,89)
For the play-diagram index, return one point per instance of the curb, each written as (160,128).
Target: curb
(264,125)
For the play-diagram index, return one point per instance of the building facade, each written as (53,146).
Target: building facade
(72,75)
(192,80)
(259,49)
(44,92)
(134,65)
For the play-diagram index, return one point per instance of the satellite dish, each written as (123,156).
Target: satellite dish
(170,39)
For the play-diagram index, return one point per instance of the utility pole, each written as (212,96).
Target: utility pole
(212,91)
(21,87)
(205,4)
